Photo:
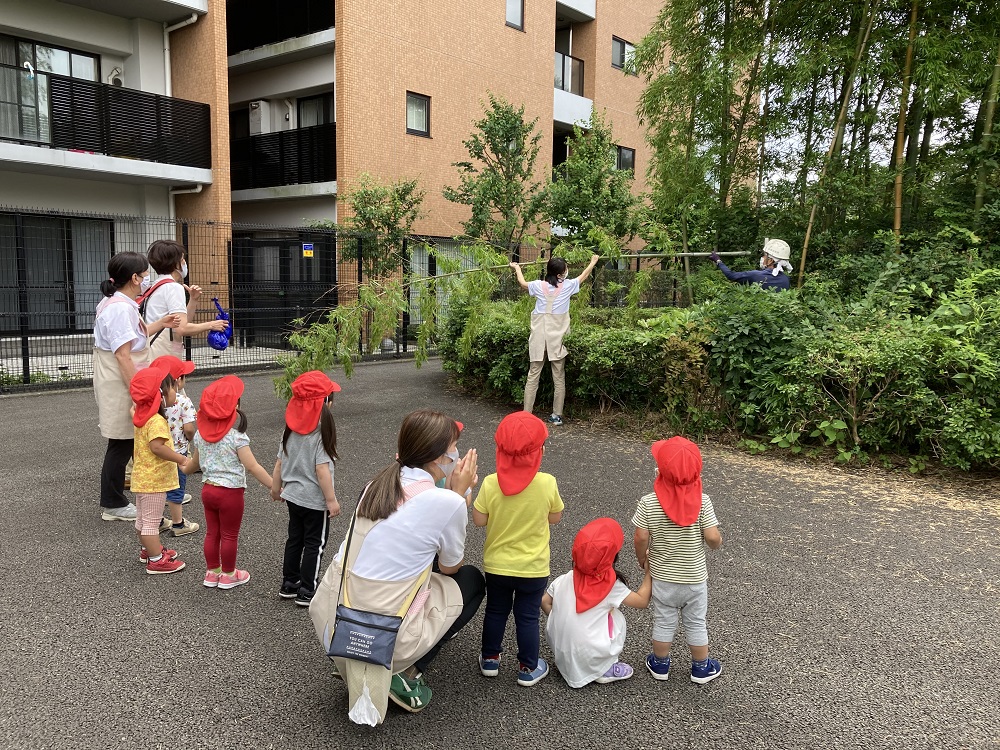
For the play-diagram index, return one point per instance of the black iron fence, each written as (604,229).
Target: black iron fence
(288,157)
(46,109)
(254,23)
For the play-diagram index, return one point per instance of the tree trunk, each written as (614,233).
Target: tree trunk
(984,144)
(914,122)
(904,97)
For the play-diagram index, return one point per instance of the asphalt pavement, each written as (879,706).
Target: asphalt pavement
(849,610)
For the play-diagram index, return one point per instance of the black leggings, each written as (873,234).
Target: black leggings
(113,473)
(473,587)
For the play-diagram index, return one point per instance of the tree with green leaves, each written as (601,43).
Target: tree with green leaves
(588,190)
(498,181)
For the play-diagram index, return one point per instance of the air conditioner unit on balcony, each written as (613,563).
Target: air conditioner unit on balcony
(260,117)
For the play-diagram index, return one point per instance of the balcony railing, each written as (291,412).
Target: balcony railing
(254,23)
(73,114)
(569,74)
(288,157)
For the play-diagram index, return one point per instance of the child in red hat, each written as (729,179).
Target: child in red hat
(154,469)
(516,505)
(303,480)
(673,524)
(222,453)
(585,625)
(182,420)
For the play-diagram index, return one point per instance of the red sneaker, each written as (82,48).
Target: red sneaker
(144,557)
(232,580)
(164,565)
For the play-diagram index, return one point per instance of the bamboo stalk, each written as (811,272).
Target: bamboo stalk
(904,97)
(987,133)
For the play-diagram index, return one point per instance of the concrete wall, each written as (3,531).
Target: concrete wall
(300,78)
(286,213)
(61,194)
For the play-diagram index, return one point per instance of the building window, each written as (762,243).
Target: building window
(621,52)
(418,114)
(626,159)
(515,14)
(316,110)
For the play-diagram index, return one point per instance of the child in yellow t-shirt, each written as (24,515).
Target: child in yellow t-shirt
(516,505)
(154,458)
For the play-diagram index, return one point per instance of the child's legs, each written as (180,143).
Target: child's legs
(116,457)
(559,385)
(291,566)
(230,518)
(149,511)
(211,498)
(175,498)
(666,615)
(531,386)
(527,604)
(694,612)
(499,602)
(316,528)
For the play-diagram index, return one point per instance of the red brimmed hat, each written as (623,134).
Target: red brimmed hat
(678,484)
(594,551)
(217,410)
(519,438)
(145,392)
(177,368)
(309,391)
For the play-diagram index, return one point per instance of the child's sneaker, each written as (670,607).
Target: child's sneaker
(528,677)
(165,523)
(555,419)
(164,565)
(289,590)
(659,668)
(186,499)
(211,579)
(303,600)
(705,671)
(144,556)
(618,671)
(489,665)
(409,693)
(232,580)
(186,527)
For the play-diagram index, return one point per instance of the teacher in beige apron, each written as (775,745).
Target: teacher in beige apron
(167,259)
(120,350)
(406,558)
(549,326)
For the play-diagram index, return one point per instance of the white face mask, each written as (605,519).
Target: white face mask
(184,269)
(449,467)
(146,283)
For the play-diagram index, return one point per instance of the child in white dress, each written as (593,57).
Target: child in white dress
(586,628)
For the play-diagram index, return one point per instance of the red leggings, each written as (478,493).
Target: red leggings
(223,516)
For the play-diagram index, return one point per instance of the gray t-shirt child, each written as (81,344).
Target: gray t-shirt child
(298,470)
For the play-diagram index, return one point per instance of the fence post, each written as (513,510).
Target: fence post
(187,254)
(406,286)
(361,278)
(22,294)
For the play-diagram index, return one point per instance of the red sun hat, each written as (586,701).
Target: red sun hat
(145,391)
(217,410)
(309,391)
(594,551)
(678,484)
(177,368)
(519,438)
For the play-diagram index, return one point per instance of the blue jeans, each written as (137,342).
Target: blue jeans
(523,596)
(177,496)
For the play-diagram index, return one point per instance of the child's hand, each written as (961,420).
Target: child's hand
(333,507)
(276,493)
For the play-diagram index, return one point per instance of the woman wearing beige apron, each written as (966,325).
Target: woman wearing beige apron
(406,557)
(549,326)
(119,351)
(167,258)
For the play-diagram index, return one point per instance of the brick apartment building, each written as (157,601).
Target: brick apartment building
(260,112)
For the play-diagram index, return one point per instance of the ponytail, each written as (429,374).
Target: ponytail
(121,268)
(383,495)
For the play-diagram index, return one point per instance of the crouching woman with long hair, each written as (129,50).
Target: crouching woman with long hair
(407,543)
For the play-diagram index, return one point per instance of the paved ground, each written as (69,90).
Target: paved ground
(848,612)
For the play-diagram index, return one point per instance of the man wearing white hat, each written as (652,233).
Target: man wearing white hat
(774,267)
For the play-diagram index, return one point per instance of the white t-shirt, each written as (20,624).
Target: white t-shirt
(117,323)
(404,544)
(166,300)
(541,290)
(585,644)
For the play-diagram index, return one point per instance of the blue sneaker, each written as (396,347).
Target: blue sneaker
(660,669)
(554,419)
(528,677)
(705,671)
(489,665)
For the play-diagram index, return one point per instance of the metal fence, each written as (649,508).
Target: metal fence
(268,278)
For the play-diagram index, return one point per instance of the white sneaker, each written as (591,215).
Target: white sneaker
(124,513)
(186,500)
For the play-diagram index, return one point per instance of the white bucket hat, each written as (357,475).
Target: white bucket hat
(777,249)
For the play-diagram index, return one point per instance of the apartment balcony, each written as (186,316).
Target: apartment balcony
(570,106)
(287,164)
(576,10)
(257,23)
(55,124)
(154,10)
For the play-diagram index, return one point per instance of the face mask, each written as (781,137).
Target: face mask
(449,467)
(146,283)
(184,269)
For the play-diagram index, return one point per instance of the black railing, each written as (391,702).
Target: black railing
(288,157)
(77,115)
(254,23)
(569,73)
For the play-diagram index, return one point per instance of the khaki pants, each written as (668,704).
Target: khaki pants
(558,381)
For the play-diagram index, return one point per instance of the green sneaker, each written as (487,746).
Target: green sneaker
(409,693)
